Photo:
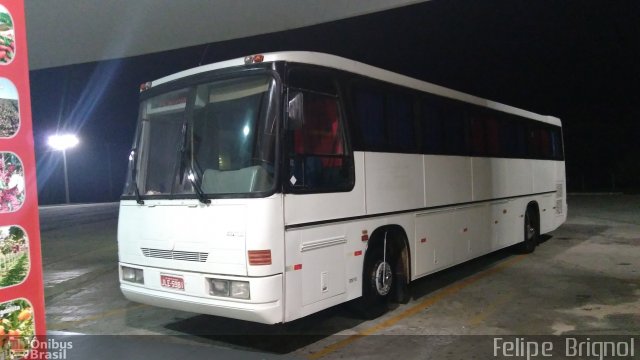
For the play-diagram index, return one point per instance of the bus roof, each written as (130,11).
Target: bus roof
(355,67)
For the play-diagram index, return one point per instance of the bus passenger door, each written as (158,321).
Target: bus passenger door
(320,190)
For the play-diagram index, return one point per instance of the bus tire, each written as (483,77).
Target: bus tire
(401,292)
(531,232)
(378,282)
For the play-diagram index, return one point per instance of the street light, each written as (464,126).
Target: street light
(63,142)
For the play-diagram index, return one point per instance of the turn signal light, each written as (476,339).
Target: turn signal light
(259,257)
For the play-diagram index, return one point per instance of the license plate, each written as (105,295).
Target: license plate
(172,282)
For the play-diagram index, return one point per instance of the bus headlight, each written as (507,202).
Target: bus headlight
(132,275)
(229,288)
(219,287)
(240,289)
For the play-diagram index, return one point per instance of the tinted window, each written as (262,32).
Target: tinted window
(478,134)
(318,158)
(369,112)
(455,129)
(513,138)
(400,123)
(492,133)
(539,142)
(384,118)
(432,118)
(556,143)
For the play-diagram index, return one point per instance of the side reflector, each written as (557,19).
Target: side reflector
(259,257)
(297,267)
(357,253)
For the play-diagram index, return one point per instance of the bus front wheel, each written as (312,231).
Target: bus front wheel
(378,281)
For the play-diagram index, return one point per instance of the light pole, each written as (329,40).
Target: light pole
(63,142)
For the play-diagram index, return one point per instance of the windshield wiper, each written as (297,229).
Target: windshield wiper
(134,176)
(196,186)
(192,172)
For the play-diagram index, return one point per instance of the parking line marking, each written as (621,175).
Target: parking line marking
(427,302)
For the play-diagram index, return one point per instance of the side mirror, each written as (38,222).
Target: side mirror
(296,111)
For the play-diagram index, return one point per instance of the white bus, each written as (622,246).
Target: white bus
(270,187)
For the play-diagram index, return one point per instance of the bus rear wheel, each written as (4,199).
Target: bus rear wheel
(531,232)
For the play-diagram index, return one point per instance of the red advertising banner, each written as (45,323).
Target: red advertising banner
(21,288)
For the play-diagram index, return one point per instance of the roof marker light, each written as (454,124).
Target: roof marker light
(145,86)
(253,59)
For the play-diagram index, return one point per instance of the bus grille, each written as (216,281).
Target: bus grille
(175,255)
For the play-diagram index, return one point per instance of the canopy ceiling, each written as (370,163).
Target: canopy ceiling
(64,32)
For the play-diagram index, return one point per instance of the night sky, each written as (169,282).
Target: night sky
(577,60)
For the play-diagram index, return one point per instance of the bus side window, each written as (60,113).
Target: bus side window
(556,143)
(385,119)
(318,160)
(478,129)
(400,122)
(432,118)
(369,110)
(455,127)
(492,133)
(512,138)
(540,145)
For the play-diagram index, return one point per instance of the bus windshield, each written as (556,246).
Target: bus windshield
(213,138)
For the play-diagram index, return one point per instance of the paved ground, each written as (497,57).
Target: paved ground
(78,244)
(585,279)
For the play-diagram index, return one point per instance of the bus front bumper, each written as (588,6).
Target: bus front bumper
(265,306)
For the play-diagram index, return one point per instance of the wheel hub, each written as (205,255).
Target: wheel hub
(530,229)
(383,278)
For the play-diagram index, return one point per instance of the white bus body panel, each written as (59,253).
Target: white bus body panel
(393,182)
(452,209)
(447,180)
(217,233)
(187,239)
(495,178)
